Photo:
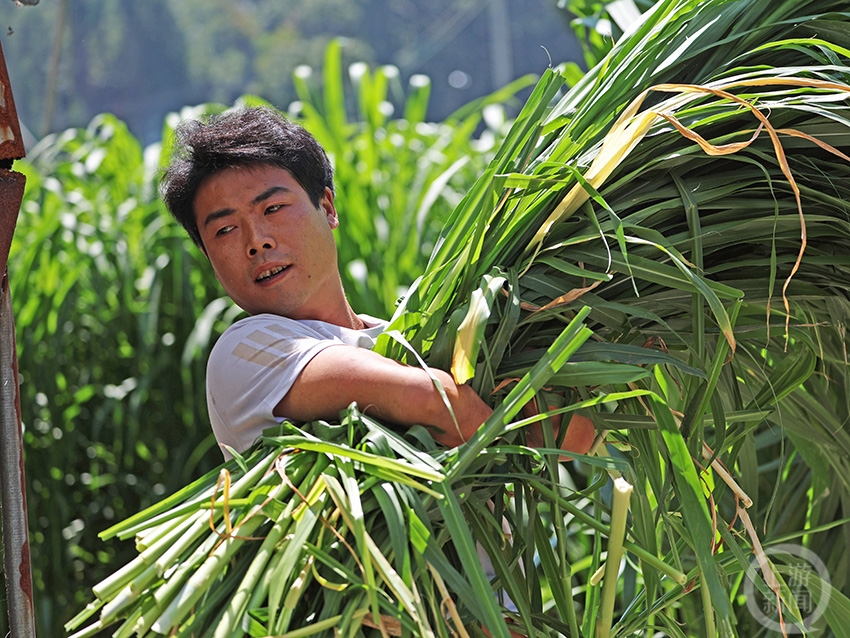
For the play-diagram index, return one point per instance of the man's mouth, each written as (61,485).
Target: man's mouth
(268,274)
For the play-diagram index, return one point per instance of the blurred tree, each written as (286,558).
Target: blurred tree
(122,57)
(250,46)
(141,60)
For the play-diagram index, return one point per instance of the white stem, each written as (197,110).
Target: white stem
(619,514)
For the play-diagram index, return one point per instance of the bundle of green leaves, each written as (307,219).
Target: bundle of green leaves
(664,248)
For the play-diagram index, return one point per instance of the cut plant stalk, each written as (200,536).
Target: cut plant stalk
(619,515)
(235,608)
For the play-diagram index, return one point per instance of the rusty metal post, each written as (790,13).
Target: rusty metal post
(16,545)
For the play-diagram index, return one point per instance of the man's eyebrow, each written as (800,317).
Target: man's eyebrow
(268,193)
(224,212)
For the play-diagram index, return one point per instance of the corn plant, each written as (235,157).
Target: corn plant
(104,289)
(663,248)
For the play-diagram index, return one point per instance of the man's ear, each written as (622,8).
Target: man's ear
(327,205)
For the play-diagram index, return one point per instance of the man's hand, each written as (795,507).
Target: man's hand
(578,438)
(384,388)
(580,432)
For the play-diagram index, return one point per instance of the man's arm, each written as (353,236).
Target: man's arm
(384,388)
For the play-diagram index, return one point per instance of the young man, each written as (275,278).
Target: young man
(255,192)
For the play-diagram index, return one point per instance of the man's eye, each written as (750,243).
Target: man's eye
(223,230)
(273,208)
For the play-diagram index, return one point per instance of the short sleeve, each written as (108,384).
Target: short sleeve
(254,364)
(250,369)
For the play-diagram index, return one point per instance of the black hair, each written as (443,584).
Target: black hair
(244,137)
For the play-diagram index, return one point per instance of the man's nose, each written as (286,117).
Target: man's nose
(259,239)
(254,250)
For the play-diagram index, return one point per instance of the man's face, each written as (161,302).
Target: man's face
(271,249)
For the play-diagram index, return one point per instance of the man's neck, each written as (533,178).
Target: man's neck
(345,317)
(356,323)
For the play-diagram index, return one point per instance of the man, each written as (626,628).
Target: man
(255,192)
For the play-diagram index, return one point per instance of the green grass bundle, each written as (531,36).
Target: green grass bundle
(665,248)
(245,550)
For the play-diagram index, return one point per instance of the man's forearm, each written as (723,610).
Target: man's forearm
(340,375)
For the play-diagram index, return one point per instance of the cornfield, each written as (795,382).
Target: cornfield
(662,247)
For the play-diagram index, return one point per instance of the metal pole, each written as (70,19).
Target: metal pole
(16,559)
(16,547)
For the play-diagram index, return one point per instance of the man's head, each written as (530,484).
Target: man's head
(242,138)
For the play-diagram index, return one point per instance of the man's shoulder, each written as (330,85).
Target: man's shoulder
(264,321)
(263,328)
(285,328)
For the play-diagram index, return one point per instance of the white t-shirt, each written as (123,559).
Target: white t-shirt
(254,364)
